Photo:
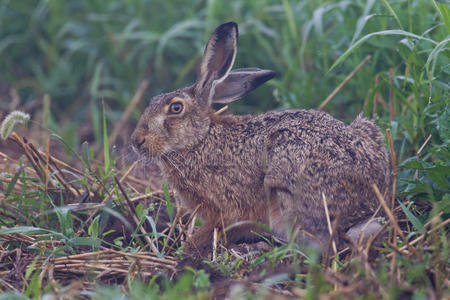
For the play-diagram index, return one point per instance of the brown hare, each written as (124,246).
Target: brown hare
(273,169)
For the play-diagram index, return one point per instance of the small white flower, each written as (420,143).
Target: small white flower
(10,121)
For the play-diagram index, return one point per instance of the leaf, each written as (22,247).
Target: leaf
(442,8)
(34,287)
(443,125)
(65,220)
(140,210)
(411,163)
(416,187)
(388,6)
(201,279)
(86,154)
(440,175)
(412,218)
(28,230)
(432,58)
(155,232)
(96,80)
(85,241)
(96,123)
(360,26)
(31,268)
(117,215)
(105,141)
(169,205)
(13,182)
(108,232)
(444,205)
(93,228)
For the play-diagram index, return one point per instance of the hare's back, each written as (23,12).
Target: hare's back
(322,146)
(312,128)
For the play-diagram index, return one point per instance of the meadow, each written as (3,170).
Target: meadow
(80,219)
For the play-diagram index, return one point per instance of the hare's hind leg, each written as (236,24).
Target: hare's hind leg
(294,207)
(361,232)
(287,219)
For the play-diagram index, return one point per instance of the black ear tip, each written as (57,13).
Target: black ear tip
(267,74)
(232,23)
(271,74)
(227,28)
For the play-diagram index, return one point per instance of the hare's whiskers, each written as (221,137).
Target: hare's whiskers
(169,160)
(177,157)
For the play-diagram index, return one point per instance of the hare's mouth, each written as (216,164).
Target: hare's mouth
(149,145)
(147,152)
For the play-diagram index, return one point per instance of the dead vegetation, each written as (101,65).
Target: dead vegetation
(142,248)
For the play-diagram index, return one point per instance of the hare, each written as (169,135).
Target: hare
(274,169)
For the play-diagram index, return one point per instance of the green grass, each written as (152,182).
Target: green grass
(75,54)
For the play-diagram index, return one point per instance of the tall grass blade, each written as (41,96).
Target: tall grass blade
(290,20)
(29,230)
(442,6)
(388,6)
(379,33)
(86,154)
(360,26)
(34,287)
(93,242)
(13,182)
(156,234)
(46,118)
(432,58)
(105,141)
(95,83)
(169,205)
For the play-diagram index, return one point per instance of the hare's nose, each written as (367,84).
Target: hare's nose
(138,141)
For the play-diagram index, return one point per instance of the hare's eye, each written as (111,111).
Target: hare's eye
(176,108)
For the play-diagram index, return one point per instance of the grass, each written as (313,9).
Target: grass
(86,226)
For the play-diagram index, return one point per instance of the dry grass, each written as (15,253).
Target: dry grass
(354,271)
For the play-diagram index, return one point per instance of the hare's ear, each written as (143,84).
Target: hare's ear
(239,83)
(218,59)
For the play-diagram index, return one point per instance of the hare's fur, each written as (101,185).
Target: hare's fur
(274,169)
